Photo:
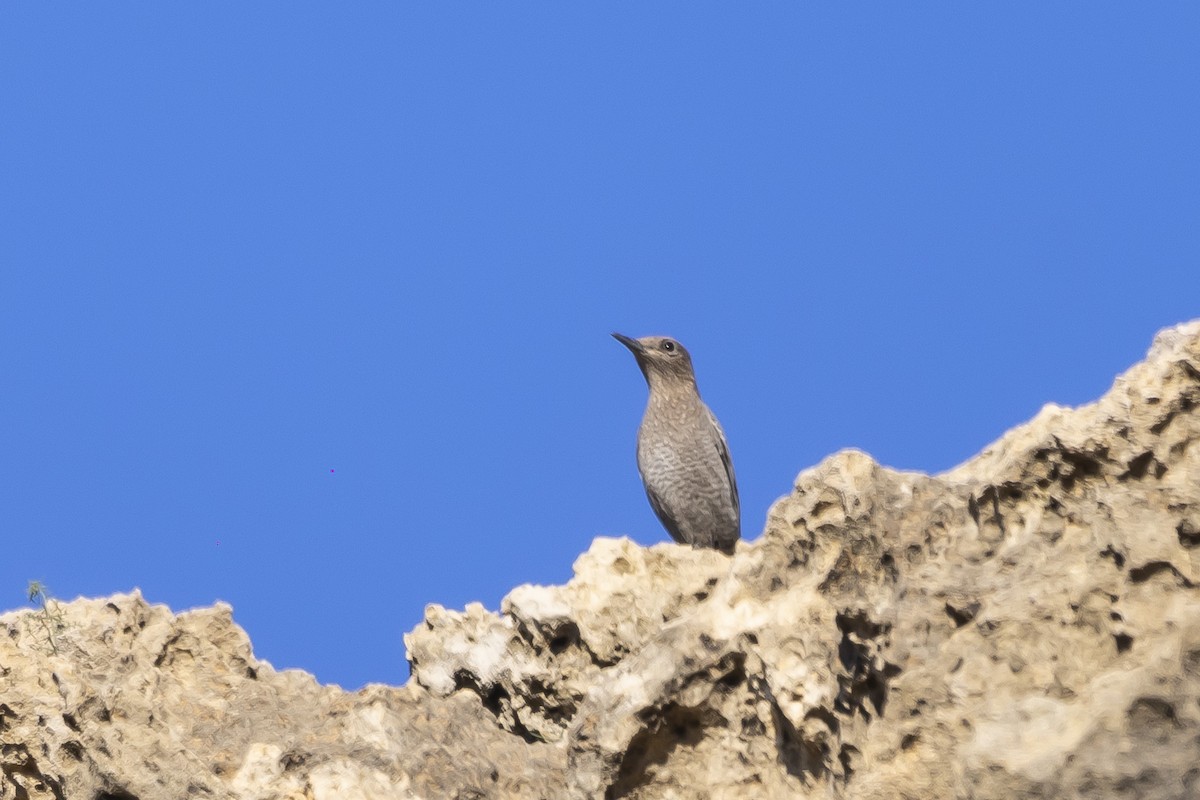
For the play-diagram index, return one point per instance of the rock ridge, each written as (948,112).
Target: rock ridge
(1026,624)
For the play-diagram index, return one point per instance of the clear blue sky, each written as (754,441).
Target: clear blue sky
(307,307)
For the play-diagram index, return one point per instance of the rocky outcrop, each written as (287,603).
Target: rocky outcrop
(1025,625)
(131,701)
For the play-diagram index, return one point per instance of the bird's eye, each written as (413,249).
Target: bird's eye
(668,345)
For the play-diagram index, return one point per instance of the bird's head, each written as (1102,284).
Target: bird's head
(660,357)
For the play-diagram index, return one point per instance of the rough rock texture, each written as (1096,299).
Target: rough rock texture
(1026,625)
(140,703)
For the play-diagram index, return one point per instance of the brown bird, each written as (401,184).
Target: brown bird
(681,450)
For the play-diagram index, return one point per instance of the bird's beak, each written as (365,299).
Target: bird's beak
(632,344)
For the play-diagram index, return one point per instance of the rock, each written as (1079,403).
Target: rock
(1024,625)
(534,663)
(140,703)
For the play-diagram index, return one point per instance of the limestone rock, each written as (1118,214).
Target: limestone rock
(130,701)
(1024,625)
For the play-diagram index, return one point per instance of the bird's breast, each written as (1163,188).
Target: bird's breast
(685,457)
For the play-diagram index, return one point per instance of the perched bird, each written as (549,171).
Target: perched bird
(681,450)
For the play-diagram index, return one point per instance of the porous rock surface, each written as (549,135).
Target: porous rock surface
(1025,625)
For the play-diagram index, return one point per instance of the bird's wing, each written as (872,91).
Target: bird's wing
(664,516)
(727,463)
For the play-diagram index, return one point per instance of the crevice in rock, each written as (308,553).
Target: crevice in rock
(20,770)
(73,749)
(664,730)
(666,727)
(1188,533)
(1139,466)
(989,498)
(1191,664)
(859,624)
(826,716)
(564,637)
(1152,714)
(962,613)
(496,699)
(802,758)
(1081,464)
(559,638)
(292,760)
(888,564)
(1148,570)
(1117,557)
(166,656)
(560,712)
(1185,405)
(846,758)
(866,673)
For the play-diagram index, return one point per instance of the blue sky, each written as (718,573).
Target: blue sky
(307,308)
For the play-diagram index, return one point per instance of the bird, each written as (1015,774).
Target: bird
(682,454)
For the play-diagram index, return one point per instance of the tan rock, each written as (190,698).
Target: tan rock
(1024,625)
(141,703)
